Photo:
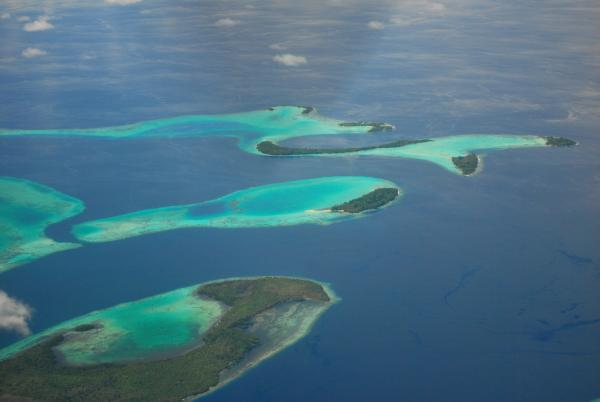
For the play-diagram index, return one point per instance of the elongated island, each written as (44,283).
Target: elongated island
(322,200)
(176,345)
(454,153)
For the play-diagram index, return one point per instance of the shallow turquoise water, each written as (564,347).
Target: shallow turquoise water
(281,204)
(250,128)
(143,329)
(26,210)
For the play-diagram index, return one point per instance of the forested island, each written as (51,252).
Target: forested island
(559,142)
(466,164)
(252,309)
(373,200)
(270,148)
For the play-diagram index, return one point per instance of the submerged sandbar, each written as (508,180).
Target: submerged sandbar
(167,347)
(310,201)
(26,210)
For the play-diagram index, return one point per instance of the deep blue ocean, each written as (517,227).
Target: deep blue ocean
(468,289)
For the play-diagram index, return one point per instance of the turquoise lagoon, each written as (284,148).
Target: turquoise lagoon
(281,204)
(250,128)
(168,323)
(26,210)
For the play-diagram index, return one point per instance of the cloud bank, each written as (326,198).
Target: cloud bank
(226,23)
(41,24)
(122,2)
(376,25)
(290,60)
(33,52)
(14,315)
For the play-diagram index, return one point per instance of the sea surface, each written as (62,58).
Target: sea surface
(467,289)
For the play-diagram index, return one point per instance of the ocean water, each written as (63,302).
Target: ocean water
(469,289)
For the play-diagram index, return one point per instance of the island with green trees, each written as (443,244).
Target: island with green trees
(466,164)
(559,142)
(456,154)
(373,200)
(176,345)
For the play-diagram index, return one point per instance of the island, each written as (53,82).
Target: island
(250,128)
(373,200)
(466,164)
(309,201)
(26,210)
(270,148)
(454,153)
(177,345)
(559,142)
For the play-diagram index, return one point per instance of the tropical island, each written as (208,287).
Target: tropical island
(27,209)
(559,142)
(261,132)
(270,148)
(373,200)
(466,164)
(214,332)
(309,201)
(454,153)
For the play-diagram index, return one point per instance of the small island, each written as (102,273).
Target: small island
(466,164)
(250,320)
(559,142)
(291,203)
(373,200)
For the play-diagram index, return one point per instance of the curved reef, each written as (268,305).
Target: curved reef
(26,210)
(168,347)
(260,132)
(454,153)
(251,128)
(282,204)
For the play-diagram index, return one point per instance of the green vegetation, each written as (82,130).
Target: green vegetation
(372,200)
(559,142)
(466,164)
(270,148)
(36,374)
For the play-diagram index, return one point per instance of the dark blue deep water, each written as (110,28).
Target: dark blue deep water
(469,289)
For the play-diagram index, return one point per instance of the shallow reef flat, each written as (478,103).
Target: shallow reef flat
(176,345)
(454,153)
(250,128)
(26,210)
(262,131)
(320,200)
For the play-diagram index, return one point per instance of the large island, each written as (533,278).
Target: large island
(168,347)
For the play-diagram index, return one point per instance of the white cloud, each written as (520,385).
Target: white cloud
(41,24)
(23,18)
(277,46)
(226,23)
(33,52)
(376,25)
(14,315)
(413,12)
(290,59)
(122,2)
(5,16)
